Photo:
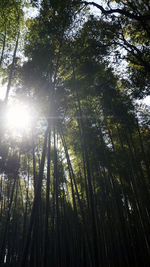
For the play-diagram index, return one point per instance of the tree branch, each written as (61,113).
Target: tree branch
(118,10)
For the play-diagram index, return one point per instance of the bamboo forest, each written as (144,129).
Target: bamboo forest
(74,133)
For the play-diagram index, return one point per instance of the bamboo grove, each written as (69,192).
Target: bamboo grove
(75,190)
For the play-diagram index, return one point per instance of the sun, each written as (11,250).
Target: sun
(18,118)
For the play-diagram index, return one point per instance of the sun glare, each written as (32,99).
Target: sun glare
(18,118)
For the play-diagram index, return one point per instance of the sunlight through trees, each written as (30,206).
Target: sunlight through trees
(75,133)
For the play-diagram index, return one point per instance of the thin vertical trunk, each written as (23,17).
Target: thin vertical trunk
(26,209)
(10,77)
(1,197)
(2,250)
(13,250)
(34,170)
(143,151)
(70,172)
(57,247)
(47,201)
(84,162)
(36,203)
(85,230)
(4,43)
(89,178)
(135,187)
